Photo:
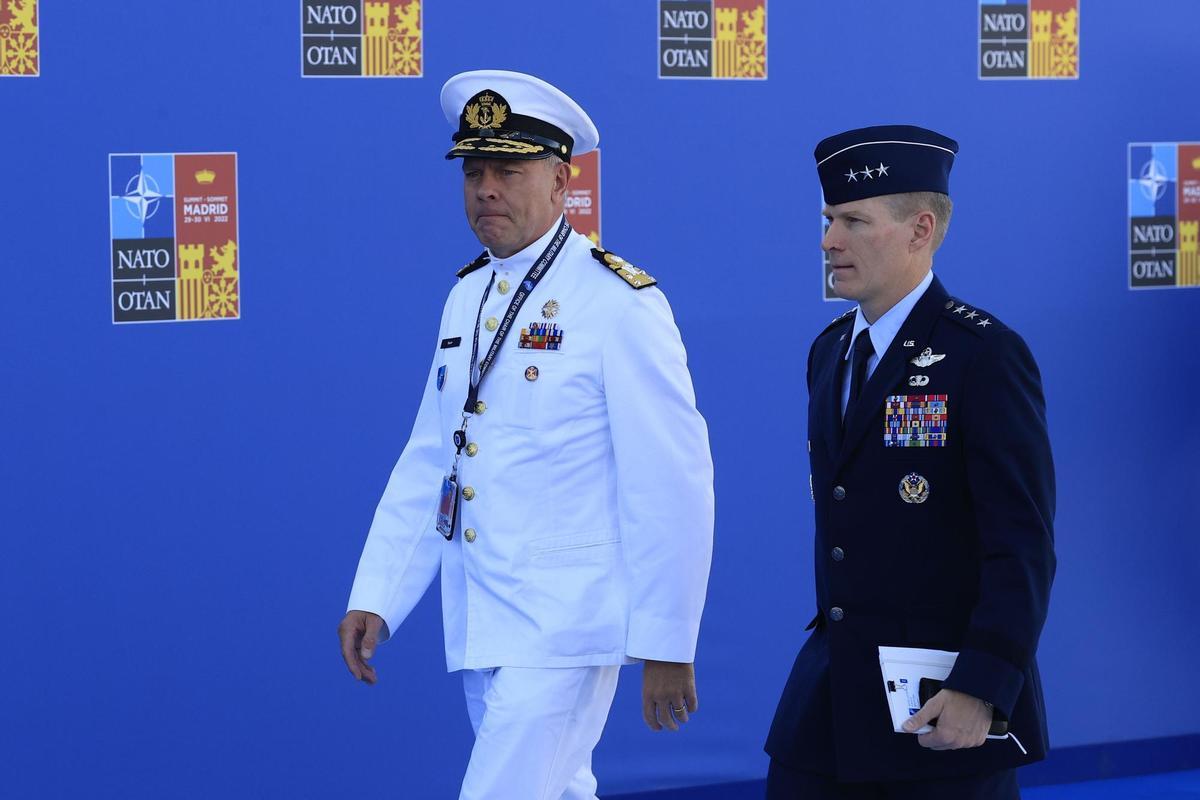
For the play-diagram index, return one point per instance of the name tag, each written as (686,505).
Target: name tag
(916,420)
(454,342)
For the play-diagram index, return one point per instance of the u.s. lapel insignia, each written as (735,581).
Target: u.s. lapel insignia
(909,343)
(550,310)
(927,358)
(914,488)
(918,380)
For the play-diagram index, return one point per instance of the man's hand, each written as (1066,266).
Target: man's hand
(360,631)
(668,694)
(962,721)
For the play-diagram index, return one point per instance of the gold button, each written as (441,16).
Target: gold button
(472,449)
(492,323)
(469,534)
(503,286)
(480,407)
(531,373)
(468,493)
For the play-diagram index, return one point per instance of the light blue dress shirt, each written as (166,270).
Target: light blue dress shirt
(883,331)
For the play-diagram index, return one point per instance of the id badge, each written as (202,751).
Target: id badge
(448,507)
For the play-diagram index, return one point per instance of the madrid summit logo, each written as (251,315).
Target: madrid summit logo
(1033,39)
(1164,215)
(712,39)
(583,195)
(361,38)
(19,38)
(174,237)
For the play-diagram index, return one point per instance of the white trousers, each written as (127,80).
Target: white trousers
(535,730)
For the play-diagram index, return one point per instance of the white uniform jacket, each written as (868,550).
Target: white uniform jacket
(591,518)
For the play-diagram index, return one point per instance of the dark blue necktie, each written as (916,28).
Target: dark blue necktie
(861,353)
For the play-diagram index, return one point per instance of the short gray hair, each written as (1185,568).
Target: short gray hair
(905,205)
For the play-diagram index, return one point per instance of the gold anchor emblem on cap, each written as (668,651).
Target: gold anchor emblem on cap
(486,112)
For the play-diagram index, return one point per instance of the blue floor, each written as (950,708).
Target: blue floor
(1164,786)
(1183,785)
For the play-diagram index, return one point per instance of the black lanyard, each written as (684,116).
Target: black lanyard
(535,274)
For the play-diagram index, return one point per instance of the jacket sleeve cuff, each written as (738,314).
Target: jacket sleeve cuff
(369,595)
(654,639)
(986,677)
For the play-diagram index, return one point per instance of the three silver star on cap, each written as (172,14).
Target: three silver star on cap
(882,169)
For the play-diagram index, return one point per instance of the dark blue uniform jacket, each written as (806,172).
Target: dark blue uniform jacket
(969,569)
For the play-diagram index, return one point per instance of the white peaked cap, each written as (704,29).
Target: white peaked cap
(502,114)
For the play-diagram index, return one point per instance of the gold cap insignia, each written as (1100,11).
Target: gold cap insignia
(485,110)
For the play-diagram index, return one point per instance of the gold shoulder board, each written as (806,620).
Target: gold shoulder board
(635,277)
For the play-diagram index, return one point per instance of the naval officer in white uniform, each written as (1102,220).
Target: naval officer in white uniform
(558,473)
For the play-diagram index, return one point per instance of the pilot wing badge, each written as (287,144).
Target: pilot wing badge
(927,358)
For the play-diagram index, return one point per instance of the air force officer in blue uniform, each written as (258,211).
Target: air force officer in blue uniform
(933,486)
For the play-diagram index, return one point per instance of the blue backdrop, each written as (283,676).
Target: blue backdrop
(184,504)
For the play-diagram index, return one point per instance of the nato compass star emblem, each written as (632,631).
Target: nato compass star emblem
(142,197)
(1153,180)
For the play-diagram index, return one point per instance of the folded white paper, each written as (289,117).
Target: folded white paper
(903,668)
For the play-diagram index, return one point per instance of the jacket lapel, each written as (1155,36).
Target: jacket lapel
(891,367)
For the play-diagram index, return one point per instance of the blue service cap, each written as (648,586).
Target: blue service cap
(884,159)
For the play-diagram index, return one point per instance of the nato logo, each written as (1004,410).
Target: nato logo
(174,229)
(712,39)
(1156,257)
(143,199)
(1029,39)
(142,217)
(362,38)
